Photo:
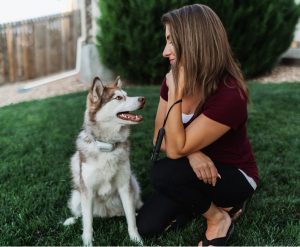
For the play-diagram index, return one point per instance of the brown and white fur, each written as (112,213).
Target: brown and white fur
(103,182)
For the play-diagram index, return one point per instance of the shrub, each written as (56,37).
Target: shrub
(131,37)
(259,31)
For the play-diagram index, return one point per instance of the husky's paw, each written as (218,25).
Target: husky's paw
(87,239)
(135,237)
(70,221)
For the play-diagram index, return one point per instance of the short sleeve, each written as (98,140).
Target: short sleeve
(227,106)
(164,90)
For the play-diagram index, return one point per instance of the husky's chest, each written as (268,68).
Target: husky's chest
(102,169)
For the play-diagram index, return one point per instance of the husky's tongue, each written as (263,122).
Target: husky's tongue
(130,117)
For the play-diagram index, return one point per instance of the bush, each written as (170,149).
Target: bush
(259,31)
(131,37)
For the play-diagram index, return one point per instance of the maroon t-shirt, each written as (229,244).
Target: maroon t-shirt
(228,106)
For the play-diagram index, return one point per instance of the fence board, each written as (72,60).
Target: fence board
(76,33)
(25,44)
(18,49)
(2,57)
(65,37)
(30,38)
(38,47)
(10,53)
(69,44)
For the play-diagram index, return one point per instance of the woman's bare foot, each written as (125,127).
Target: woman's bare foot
(218,224)
(236,215)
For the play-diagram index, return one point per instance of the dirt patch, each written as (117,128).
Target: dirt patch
(280,74)
(13,93)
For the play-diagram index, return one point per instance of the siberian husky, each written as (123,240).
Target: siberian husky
(103,183)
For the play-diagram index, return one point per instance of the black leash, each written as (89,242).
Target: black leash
(160,136)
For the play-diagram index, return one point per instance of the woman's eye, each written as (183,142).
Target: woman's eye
(119,98)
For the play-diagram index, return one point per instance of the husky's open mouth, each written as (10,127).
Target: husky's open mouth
(129,116)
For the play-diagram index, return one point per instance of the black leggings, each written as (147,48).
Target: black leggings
(178,192)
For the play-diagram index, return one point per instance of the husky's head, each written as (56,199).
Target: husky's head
(110,103)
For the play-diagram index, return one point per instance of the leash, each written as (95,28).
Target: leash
(160,135)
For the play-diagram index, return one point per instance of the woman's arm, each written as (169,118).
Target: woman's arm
(200,133)
(201,164)
(159,119)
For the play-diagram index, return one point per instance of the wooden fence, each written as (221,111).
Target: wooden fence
(38,47)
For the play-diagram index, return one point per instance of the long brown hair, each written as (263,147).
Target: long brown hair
(202,48)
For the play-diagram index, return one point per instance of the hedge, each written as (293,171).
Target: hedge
(131,37)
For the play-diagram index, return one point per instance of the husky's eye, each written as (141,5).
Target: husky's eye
(119,97)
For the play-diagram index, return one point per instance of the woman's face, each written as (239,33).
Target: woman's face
(169,51)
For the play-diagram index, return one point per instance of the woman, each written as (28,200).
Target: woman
(209,168)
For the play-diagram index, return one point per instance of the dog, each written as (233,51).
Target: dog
(104,185)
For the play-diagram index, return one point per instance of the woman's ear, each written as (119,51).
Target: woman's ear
(97,89)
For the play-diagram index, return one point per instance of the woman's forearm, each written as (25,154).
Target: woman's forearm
(174,130)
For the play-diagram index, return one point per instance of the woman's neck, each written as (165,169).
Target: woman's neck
(190,103)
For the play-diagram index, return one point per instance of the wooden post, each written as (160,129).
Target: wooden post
(2,56)
(9,39)
(76,34)
(5,54)
(41,47)
(19,57)
(64,42)
(31,50)
(25,53)
(48,48)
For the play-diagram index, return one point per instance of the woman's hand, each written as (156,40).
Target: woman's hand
(204,168)
(171,83)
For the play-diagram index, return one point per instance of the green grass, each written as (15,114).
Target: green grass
(37,139)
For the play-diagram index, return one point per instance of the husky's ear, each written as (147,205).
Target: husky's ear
(118,82)
(97,89)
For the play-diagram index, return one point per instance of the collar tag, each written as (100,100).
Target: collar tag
(104,146)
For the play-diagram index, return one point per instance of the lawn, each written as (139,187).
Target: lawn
(37,139)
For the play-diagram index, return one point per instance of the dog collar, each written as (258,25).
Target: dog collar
(104,146)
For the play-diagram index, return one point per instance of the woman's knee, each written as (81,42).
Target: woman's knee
(160,173)
(167,173)
(148,228)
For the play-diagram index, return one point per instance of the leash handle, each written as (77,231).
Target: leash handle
(156,148)
(160,135)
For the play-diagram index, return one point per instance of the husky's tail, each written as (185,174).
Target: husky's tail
(75,207)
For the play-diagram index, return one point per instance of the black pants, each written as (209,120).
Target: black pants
(180,194)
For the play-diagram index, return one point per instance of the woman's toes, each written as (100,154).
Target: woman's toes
(237,215)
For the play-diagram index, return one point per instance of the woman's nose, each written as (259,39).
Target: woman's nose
(166,51)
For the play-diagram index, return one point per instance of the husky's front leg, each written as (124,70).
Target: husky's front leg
(128,205)
(87,216)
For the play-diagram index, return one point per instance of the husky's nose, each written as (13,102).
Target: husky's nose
(142,100)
